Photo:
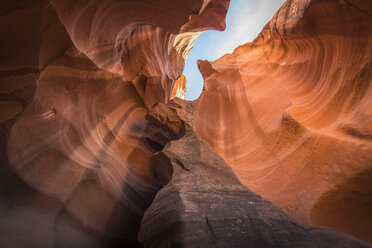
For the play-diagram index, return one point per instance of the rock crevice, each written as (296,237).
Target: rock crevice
(91,140)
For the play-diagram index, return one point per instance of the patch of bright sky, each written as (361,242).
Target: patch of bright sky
(244,22)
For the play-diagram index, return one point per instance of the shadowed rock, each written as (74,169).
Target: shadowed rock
(203,204)
(85,87)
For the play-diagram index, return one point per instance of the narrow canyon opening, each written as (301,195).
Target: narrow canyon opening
(244,21)
(98,149)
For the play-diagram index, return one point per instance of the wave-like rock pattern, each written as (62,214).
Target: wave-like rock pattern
(76,141)
(84,87)
(203,204)
(291,112)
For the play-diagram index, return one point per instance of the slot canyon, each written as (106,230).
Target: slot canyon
(100,149)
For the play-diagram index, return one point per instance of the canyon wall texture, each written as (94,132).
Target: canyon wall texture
(77,80)
(85,89)
(292,113)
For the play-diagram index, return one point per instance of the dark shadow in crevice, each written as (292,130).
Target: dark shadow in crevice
(347,208)
(153,145)
(163,168)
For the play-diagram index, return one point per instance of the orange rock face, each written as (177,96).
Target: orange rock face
(82,81)
(77,81)
(291,112)
(179,88)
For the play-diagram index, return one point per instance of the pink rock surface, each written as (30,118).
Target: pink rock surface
(291,113)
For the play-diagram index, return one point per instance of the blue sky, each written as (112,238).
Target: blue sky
(244,22)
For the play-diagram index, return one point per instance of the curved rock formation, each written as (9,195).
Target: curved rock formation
(179,88)
(76,89)
(291,112)
(84,97)
(203,204)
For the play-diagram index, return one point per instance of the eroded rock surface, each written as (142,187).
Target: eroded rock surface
(205,205)
(291,113)
(84,99)
(78,79)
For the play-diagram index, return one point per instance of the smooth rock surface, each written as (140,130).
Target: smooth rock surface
(77,79)
(291,113)
(81,82)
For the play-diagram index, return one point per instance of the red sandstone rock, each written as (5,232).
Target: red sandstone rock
(77,81)
(179,88)
(289,112)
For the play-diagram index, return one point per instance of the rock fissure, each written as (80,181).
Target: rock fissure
(98,149)
(209,227)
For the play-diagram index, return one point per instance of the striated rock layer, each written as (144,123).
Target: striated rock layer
(291,113)
(84,87)
(77,81)
(203,204)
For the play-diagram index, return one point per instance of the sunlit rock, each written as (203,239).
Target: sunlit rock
(291,112)
(90,95)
